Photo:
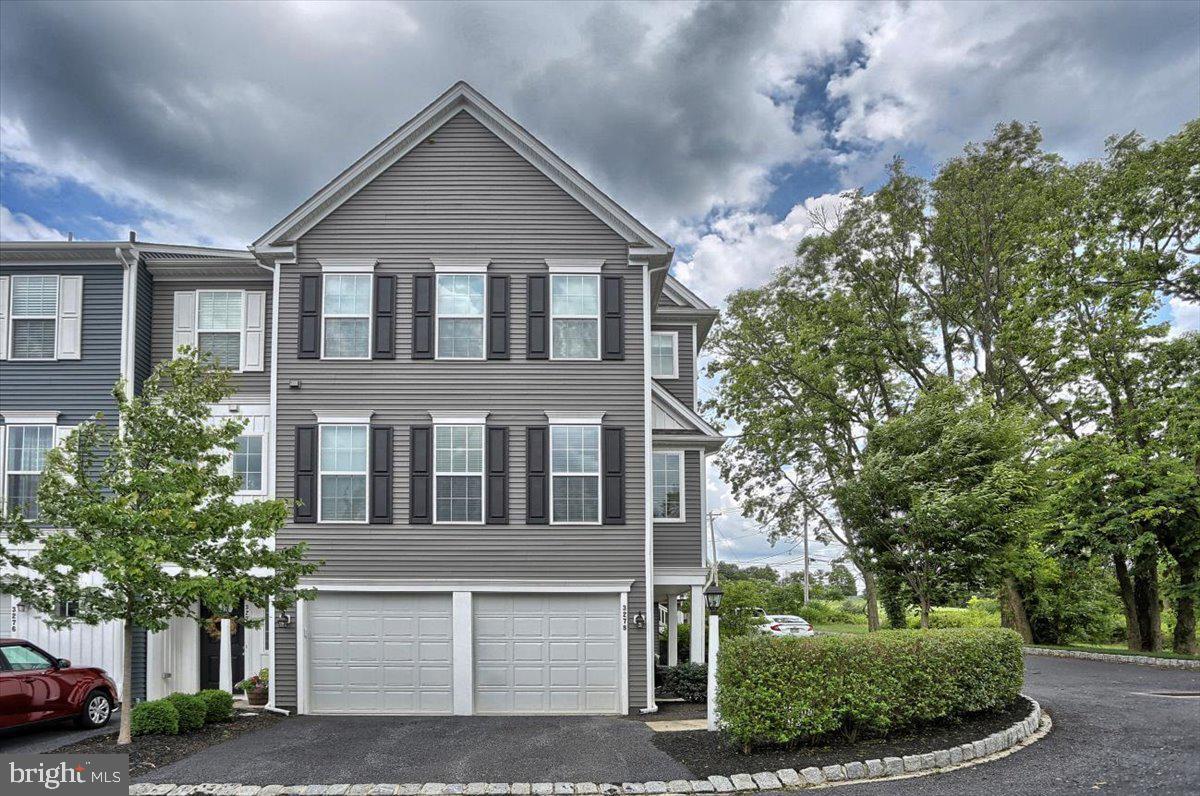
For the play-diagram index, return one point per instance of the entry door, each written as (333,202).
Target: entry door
(547,653)
(210,651)
(380,653)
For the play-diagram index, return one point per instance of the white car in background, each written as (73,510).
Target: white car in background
(783,625)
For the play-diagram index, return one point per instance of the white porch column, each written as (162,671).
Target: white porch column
(672,630)
(696,654)
(226,656)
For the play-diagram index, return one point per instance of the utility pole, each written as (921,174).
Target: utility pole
(806,558)
(712,538)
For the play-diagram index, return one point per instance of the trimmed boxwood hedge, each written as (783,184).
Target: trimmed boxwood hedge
(786,690)
(218,705)
(192,711)
(157,717)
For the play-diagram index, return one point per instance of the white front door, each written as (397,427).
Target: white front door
(375,652)
(547,653)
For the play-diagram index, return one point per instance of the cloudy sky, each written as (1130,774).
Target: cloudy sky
(719,125)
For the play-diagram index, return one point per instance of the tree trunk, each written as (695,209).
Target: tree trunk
(1184,641)
(1012,610)
(1133,630)
(869,590)
(1145,595)
(924,613)
(126,735)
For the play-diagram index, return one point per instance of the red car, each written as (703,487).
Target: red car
(35,686)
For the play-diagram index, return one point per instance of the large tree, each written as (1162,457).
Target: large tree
(141,525)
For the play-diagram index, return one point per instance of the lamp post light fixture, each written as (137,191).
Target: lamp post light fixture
(712,599)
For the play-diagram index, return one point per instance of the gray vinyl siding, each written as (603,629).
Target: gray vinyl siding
(77,388)
(684,387)
(677,544)
(253,383)
(468,194)
(143,361)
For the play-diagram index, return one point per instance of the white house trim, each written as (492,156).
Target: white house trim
(463,652)
(30,418)
(343,419)
(499,585)
(460,265)
(574,418)
(348,266)
(574,266)
(458,418)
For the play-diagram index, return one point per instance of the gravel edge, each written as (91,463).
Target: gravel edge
(1132,660)
(1024,732)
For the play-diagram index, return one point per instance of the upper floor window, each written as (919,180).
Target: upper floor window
(574,474)
(66,609)
(248,463)
(346,315)
(460,316)
(458,473)
(25,458)
(34,312)
(574,316)
(219,326)
(343,473)
(668,485)
(664,355)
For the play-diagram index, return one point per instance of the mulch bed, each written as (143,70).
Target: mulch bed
(148,752)
(707,753)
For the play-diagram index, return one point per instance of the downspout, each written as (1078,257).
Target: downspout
(128,321)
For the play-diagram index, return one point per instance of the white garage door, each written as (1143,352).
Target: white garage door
(546,653)
(380,653)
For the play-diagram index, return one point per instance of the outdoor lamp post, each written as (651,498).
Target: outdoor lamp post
(712,598)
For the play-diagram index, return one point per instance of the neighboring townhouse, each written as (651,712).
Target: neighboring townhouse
(478,388)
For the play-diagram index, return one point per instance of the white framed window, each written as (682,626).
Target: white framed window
(66,609)
(342,462)
(574,316)
(664,355)
(346,316)
(247,464)
(33,317)
(460,316)
(668,486)
(458,474)
(219,326)
(25,458)
(575,474)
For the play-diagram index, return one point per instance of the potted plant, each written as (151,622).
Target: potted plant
(256,687)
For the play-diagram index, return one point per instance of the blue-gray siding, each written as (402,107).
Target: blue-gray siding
(142,362)
(677,544)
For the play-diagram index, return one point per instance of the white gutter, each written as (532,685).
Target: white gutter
(128,321)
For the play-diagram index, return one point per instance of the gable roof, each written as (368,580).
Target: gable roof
(675,422)
(677,303)
(459,98)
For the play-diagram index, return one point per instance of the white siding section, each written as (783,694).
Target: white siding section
(173,659)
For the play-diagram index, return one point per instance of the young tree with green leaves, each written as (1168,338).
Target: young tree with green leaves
(141,526)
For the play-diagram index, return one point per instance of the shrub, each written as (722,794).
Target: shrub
(785,690)
(193,711)
(158,717)
(688,681)
(218,705)
(941,618)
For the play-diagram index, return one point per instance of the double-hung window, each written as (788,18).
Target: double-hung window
(458,473)
(574,316)
(664,356)
(575,474)
(248,463)
(219,326)
(668,485)
(34,310)
(347,316)
(460,316)
(25,459)
(343,473)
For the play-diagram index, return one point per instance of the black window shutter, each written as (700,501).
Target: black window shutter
(423,309)
(381,475)
(537,475)
(613,462)
(305,488)
(420,498)
(497,312)
(613,316)
(497,475)
(309,337)
(385,318)
(537,329)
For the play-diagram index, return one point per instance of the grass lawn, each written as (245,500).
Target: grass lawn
(1116,649)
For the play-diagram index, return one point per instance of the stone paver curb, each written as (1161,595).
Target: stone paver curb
(1140,660)
(1024,732)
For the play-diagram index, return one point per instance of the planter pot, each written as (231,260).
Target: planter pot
(257,696)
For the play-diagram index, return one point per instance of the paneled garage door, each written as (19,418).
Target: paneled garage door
(380,653)
(546,653)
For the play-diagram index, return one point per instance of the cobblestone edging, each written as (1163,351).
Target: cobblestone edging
(784,779)
(1141,660)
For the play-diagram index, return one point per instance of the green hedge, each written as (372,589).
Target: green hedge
(193,711)
(688,681)
(218,705)
(787,690)
(157,717)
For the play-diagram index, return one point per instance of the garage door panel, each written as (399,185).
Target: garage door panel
(528,676)
(565,676)
(600,627)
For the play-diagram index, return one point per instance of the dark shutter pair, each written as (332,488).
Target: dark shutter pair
(495,476)
(496,316)
(383,342)
(612,317)
(612,475)
(379,474)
